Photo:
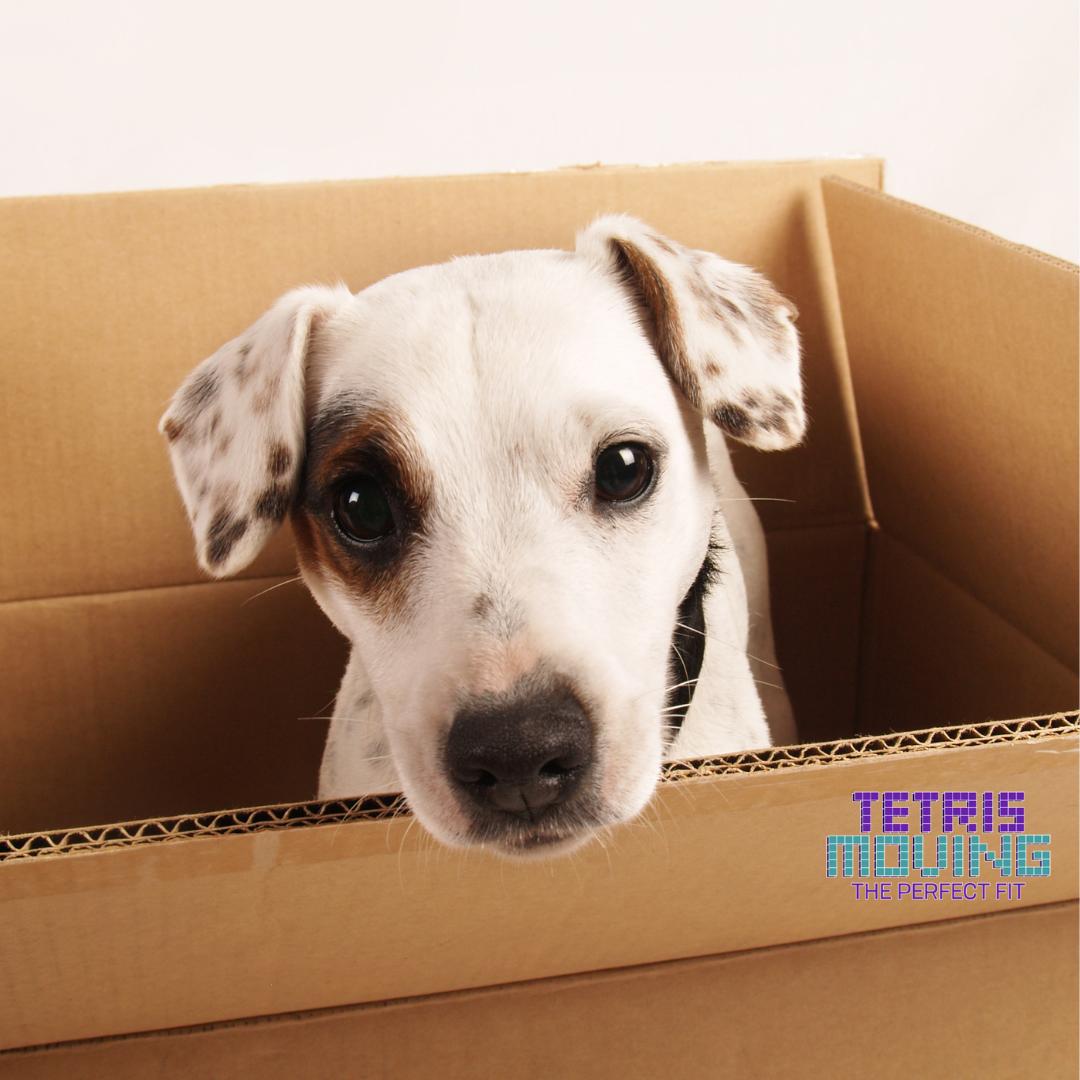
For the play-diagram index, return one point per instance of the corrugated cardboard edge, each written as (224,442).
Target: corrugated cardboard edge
(382,807)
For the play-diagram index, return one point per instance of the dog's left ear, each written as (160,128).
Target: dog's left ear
(723,332)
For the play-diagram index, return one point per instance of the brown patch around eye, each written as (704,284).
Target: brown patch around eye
(354,439)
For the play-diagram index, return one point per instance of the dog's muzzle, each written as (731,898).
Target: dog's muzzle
(519,758)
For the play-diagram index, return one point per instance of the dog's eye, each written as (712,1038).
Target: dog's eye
(362,509)
(623,472)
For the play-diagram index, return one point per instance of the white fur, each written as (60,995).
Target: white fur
(508,372)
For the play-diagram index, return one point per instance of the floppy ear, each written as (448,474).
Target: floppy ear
(236,430)
(723,332)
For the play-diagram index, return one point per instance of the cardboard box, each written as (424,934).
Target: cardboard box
(923,552)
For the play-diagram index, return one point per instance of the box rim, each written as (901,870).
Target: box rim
(382,807)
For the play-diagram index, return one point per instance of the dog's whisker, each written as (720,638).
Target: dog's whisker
(672,709)
(719,640)
(749,655)
(353,720)
(287,581)
(685,669)
(680,685)
(733,678)
(401,847)
(758,498)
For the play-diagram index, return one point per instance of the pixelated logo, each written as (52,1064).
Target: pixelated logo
(931,845)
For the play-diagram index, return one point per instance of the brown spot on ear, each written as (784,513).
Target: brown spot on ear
(273,504)
(173,429)
(202,390)
(727,309)
(663,243)
(279,459)
(224,443)
(733,420)
(644,276)
(767,309)
(215,420)
(263,401)
(225,531)
(715,307)
(778,414)
(242,370)
(753,414)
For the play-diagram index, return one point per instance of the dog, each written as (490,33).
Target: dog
(510,490)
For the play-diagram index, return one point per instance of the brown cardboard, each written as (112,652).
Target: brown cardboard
(751,1013)
(732,861)
(905,598)
(954,396)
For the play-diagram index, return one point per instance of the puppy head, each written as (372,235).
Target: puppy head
(497,477)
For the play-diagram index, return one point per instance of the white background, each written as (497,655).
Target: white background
(972,104)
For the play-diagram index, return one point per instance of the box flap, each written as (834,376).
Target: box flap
(963,352)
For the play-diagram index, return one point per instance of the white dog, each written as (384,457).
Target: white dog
(507,492)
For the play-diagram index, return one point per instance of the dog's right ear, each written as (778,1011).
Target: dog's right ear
(236,430)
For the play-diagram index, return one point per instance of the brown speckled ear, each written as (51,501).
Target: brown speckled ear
(725,335)
(236,430)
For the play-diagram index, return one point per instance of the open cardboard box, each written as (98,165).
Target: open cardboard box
(924,567)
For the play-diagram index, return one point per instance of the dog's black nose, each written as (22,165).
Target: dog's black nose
(520,755)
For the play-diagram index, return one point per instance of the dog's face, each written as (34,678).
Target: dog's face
(497,478)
